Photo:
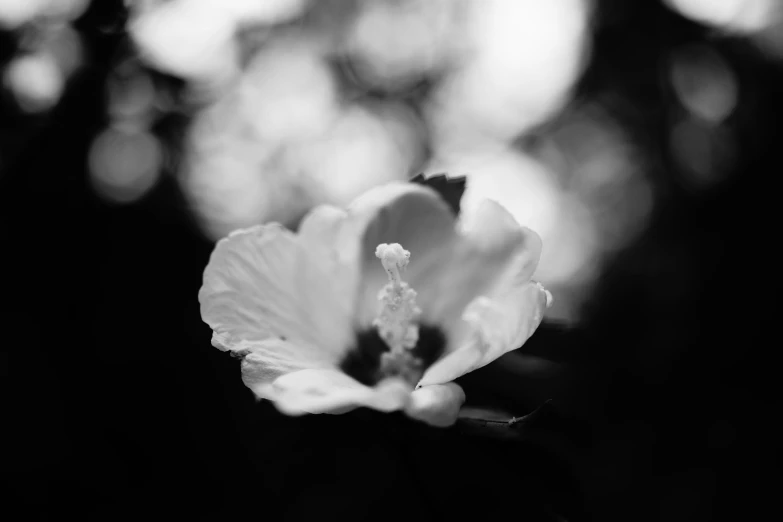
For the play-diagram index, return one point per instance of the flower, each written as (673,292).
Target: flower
(379,305)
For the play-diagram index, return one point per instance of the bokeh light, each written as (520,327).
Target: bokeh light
(288,93)
(232,190)
(48,50)
(285,129)
(131,95)
(268,12)
(14,13)
(35,80)
(282,105)
(186,38)
(357,153)
(515,180)
(704,83)
(701,145)
(124,165)
(704,153)
(734,15)
(62,10)
(521,61)
(65,45)
(395,44)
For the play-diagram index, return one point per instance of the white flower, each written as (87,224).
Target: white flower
(325,323)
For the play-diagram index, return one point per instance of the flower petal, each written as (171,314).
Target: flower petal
(267,360)
(480,262)
(331,391)
(319,232)
(496,327)
(409,214)
(262,283)
(447,270)
(492,218)
(437,405)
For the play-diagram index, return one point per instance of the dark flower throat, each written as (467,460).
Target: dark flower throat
(363,362)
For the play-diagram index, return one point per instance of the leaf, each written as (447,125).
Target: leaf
(450,189)
(537,449)
(544,427)
(497,423)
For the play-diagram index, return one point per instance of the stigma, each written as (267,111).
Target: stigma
(397,321)
(396,344)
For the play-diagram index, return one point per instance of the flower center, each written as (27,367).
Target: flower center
(397,344)
(396,323)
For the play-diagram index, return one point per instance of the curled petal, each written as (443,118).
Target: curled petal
(492,219)
(482,263)
(331,391)
(437,405)
(494,327)
(263,283)
(526,261)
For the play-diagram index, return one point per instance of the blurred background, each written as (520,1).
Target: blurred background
(639,139)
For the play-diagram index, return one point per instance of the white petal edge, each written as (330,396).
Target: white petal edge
(321,232)
(265,361)
(332,391)
(493,327)
(492,252)
(262,283)
(489,219)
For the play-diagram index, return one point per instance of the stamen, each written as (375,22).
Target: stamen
(396,323)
